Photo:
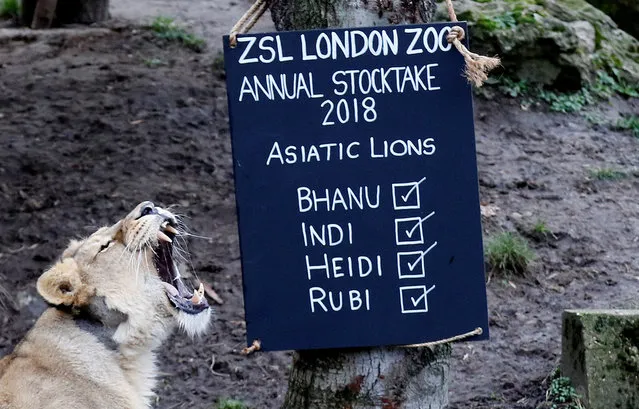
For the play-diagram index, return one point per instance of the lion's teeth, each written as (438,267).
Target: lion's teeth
(164,224)
(164,237)
(198,295)
(170,229)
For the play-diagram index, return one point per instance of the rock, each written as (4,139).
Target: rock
(600,354)
(565,44)
(624,12)
(586,35)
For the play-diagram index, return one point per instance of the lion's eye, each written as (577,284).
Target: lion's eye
(105,246)
(147,210)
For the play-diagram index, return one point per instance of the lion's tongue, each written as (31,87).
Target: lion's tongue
(181,291)
(172,291)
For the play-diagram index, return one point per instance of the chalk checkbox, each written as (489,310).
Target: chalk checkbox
(413,298)
(410,264)
(406,195)
(409,231)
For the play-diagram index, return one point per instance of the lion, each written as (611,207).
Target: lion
(113,298)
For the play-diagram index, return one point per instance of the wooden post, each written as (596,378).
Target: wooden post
(384,378)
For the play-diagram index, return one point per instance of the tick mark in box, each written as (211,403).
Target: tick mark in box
(406,195)
(410,264)
(409,230)
(413,298)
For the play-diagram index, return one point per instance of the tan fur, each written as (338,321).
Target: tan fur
(111,275)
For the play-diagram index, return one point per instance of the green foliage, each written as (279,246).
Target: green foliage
(562,395)
(165,27)
(487,24)
(541,232)
(218,62)
(602,89)
(630,123)
(595,119)
(561,102)
(506,20)
(541,228)
(509,253)
(607,84)
(153,62)
(519,15)
(230,404)
(515,88)
(10,8)
(607,174)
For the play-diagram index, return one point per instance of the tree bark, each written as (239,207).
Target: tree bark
(38,13)
(386,378)
(309,14)
(378,378)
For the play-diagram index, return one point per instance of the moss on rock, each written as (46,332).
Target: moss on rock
(624,12)
(561,43)
(600,355)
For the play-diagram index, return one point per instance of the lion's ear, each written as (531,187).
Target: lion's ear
(62,285)
(73,246)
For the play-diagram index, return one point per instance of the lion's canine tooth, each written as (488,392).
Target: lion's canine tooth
(164,224)
(164,237)
(198,295)
(170,229)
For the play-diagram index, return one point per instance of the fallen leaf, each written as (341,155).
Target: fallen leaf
(489,210)
(211,293)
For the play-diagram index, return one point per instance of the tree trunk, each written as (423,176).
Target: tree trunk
(46,13)
(309,14)
(379,378)
(386,378)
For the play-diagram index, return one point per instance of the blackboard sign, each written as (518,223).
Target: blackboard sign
(356,187)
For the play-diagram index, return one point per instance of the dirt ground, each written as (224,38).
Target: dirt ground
(92,124)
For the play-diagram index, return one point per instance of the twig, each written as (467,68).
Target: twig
(257,345)
(213,370)
(22,248)
(211,293)
(263,370)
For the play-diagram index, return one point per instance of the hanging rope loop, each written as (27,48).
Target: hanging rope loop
(475,332)
(248,20)
(477,66)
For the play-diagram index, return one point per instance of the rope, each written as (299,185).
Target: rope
(248,20)
(476,331)
(477,66)
(257,345)
(451,11)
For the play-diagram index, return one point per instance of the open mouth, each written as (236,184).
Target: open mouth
(191,302)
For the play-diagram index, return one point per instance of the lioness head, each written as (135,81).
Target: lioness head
(127,277)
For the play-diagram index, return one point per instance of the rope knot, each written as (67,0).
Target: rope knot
(456,33)
(477,66)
